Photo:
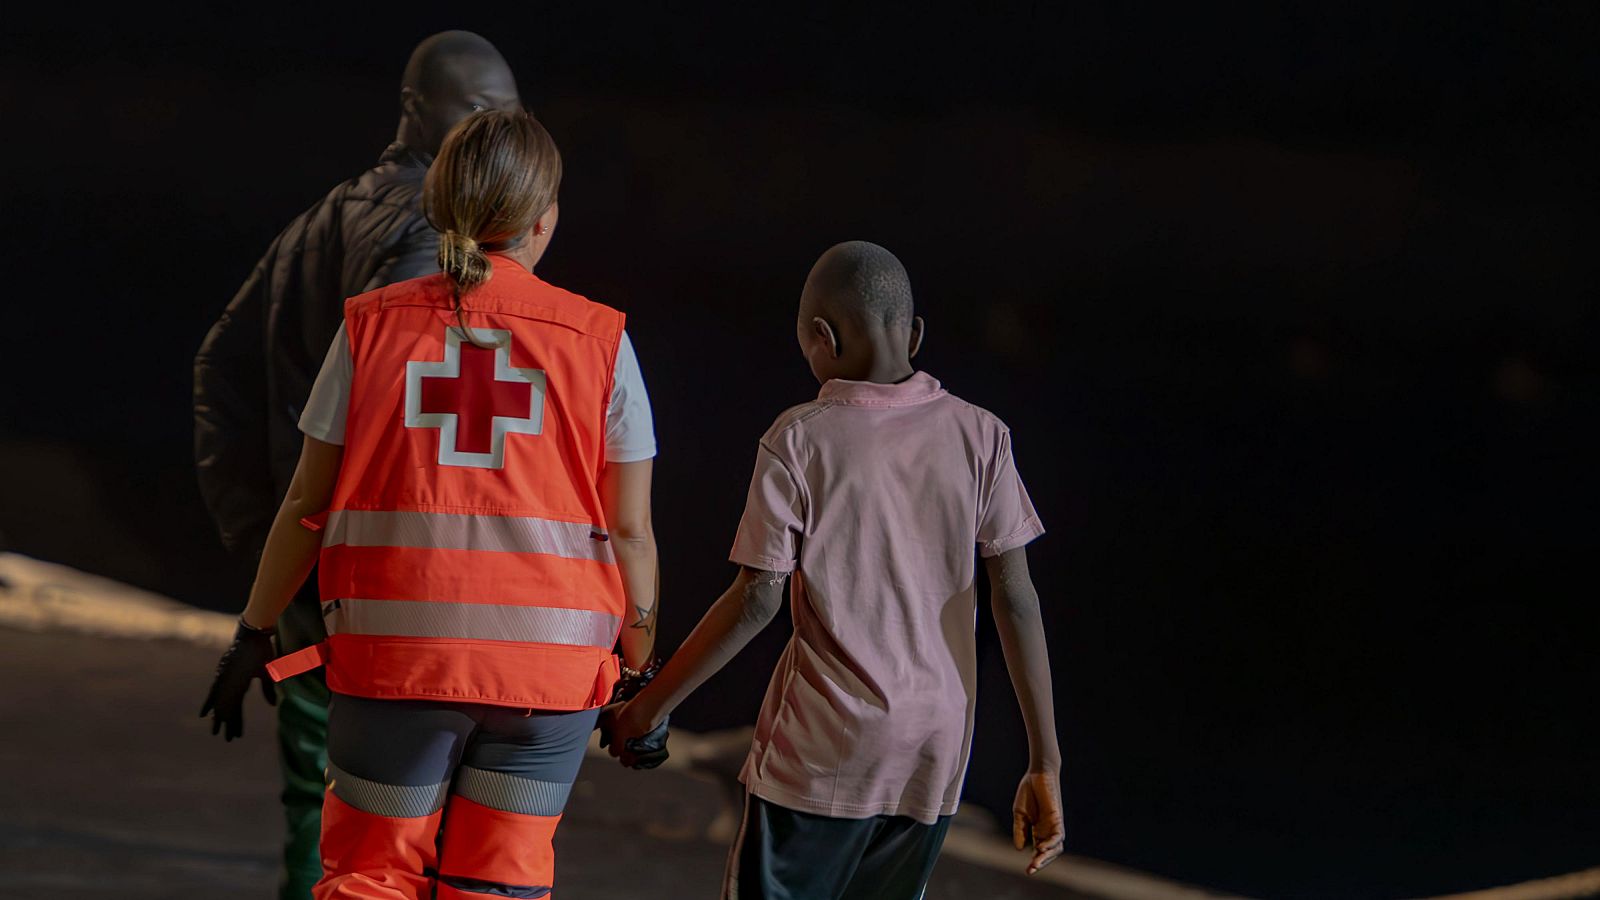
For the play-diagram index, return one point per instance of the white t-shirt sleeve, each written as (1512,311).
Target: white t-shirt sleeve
(630,426)
(329,402)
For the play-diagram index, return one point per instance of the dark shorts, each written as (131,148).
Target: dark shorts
(781,854)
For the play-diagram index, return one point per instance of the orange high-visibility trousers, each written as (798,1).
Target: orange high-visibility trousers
(451,800)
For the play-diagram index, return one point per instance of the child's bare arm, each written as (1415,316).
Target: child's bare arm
(1017,619)
(625,497)
(1021,629)
(738,615)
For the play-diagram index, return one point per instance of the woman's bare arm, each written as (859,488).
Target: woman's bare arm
(291,549)
(625,497)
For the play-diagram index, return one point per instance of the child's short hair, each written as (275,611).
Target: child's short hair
(863,280)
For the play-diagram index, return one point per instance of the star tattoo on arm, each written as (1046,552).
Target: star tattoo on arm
(646,620)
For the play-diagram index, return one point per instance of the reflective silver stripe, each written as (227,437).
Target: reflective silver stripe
(396,800)
(510,793)
(472,621)
(458,531)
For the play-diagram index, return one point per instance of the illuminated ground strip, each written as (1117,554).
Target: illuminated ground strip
(46,597)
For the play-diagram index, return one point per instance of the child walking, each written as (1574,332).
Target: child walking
(871,499)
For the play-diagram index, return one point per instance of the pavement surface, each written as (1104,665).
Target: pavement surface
(115,788)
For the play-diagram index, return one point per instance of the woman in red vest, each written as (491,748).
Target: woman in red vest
(476,478)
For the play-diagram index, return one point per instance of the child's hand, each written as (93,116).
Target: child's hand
(629,720)
(638,739)
(1037,814)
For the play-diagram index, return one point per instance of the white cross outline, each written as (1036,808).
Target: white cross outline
(449,423)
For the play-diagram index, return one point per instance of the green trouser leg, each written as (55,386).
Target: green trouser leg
(302,749)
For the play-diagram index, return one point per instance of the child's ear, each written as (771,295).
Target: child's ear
(825,331)
(917,331)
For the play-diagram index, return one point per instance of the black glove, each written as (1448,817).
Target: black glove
(631,682)
(648,750)
(644,752)
(246,658)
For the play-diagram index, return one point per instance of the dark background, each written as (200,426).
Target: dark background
(1291,313)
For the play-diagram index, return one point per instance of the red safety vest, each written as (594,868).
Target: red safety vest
(465,554)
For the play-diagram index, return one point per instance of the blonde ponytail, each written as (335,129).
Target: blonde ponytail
(463,261)
(495,175)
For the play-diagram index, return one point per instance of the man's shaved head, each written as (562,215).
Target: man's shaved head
(437,61)
(863,282)
(449,76)
(856,318)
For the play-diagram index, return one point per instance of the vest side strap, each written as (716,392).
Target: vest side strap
(298,662)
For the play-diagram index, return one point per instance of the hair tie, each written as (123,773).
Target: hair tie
(464,242)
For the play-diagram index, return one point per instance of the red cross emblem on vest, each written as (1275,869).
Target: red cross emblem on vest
(475,397)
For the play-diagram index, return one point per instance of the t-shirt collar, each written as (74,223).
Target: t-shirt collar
(506,255)
(919,388)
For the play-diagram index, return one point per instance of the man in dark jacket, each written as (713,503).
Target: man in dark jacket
(256,367)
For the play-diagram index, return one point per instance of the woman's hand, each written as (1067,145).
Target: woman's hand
(245,660)
(1036,815)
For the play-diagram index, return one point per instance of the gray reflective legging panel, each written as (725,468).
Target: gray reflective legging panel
(492,781)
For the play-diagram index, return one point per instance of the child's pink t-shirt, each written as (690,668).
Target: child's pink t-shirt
(876,496)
